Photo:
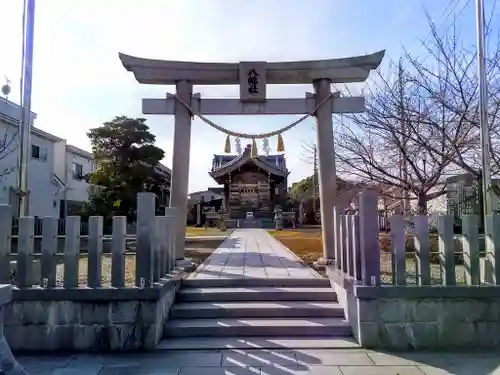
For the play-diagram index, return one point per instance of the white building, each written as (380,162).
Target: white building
(44,187)
(205,196)
(72,164)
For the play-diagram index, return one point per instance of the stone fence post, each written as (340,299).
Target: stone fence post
(8,364)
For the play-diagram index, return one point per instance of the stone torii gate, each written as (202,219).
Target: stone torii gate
(253,78)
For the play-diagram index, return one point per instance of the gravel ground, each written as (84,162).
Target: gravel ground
(198,255)
(411,271)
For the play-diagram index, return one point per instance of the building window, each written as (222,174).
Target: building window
(35,152)
(77,171)
(38,153)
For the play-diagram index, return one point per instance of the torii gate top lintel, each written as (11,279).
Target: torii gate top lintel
(164,72)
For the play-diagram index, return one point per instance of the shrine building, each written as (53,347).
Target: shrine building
(253,184)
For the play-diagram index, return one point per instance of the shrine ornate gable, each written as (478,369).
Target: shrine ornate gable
(249,177)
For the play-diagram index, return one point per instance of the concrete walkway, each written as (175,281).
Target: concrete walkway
(252,253)
(266,362)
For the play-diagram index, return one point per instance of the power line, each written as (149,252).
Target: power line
(438,29)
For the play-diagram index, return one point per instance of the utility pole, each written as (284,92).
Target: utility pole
(483,109)
(403,162)
(25,119)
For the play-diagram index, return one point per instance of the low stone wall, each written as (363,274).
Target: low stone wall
(88,319)
(424,317)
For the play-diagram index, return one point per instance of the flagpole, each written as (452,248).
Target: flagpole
(483,110)
(25,122)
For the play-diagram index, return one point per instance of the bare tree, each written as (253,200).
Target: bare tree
(380,145)
(8,145)
(448,79)
(421,122)
(10,138)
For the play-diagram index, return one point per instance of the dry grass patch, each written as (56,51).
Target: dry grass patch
(308,246)
(197,255)
(305,243)
(202,231)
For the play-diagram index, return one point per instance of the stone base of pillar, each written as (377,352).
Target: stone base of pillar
(322,263)
(184,263)
(326,261)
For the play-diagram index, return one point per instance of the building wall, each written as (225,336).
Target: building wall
(43,190)
(207,196)
(78,189)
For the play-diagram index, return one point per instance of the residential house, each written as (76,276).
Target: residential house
(72,164)
(164,197)
(44,187)
(206,195)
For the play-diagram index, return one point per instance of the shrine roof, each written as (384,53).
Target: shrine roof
(274,164)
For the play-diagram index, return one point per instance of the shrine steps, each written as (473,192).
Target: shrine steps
(318,282)
(229,310)
(257,342)
(258,327)
(303,313)
(255,294)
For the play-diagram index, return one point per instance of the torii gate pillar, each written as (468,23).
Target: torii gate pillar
(180,165)
(326,165)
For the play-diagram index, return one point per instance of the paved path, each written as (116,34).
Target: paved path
(252,253)
(266,362)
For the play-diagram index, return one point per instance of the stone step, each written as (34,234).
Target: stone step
(258,327)
(283,309)
(258,342)
(256,294)
(256,282)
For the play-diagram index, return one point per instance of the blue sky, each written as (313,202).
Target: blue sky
(79,81)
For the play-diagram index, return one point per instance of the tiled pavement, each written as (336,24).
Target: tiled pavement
(266,362)
(252,253)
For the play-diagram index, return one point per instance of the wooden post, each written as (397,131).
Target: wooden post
(118,248)
(446,249)
(170,222)
(145,232)
(343,243)
(336,233)
(71,251)
(94,252)
(49,251)
(356,248)
(5,242)
(160,224)
(350,244)
(398,249)
(24,274)
(421,243)
(157,239)
(369,238)
(493,246)
(470,245)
